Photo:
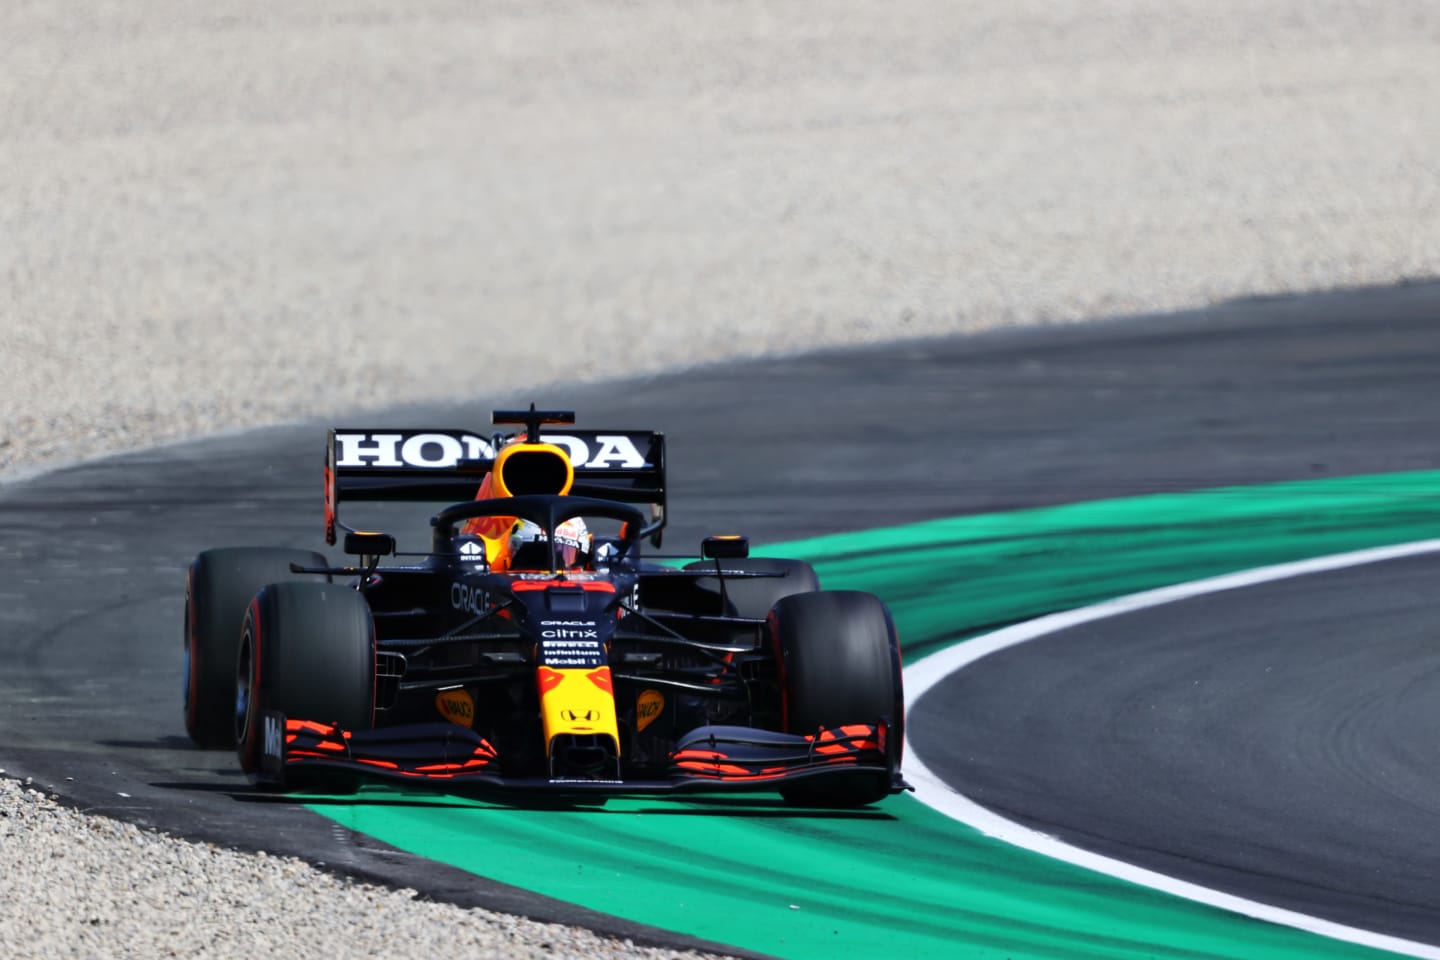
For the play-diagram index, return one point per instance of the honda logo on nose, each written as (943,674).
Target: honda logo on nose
(589,716)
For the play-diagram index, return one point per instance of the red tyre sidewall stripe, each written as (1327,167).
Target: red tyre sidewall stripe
(251,759)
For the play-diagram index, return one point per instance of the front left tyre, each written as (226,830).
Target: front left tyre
(839,659)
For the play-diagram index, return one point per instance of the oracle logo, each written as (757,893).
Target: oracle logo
(469,599)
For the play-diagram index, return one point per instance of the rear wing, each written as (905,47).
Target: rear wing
(447,466)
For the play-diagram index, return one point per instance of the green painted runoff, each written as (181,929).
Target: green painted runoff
(900,879)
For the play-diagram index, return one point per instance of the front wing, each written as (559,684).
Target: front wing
(451,757)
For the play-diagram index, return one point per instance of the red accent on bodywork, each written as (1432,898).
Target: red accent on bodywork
(330,509)
(598,586)
(729,771)
(601,678)
(719,769)
(830,742)
(549,679)
(309,726)
(728,660)
(445,768)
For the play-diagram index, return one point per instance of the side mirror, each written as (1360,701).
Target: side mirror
(729,547)
(362,544)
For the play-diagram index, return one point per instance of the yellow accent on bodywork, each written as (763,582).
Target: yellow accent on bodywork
(530,452)
(647,707)
(575,702)
(457,706)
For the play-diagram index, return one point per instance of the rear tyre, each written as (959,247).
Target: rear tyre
(839,664)
(307,650)
(753,598)
(218,588)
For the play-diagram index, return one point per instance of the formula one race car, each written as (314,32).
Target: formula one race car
(530,646)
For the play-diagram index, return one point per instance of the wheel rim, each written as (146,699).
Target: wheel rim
(244,695)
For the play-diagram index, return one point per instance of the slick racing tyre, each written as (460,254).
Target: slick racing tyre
(218,588)
(307,650)
(839,664)
(753,598)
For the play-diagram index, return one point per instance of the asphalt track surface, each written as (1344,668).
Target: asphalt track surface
(91,577)
(1271,741)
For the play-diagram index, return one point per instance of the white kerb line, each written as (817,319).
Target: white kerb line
(920,677)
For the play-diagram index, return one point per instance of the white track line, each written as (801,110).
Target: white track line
(932,791)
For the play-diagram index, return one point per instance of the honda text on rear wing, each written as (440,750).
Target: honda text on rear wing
(449,466)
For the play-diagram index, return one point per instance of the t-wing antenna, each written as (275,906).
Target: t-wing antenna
(532,419)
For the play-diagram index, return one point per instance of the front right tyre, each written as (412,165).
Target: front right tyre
(218,588)
(307,650)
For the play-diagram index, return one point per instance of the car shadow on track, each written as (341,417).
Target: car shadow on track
(688,807)
(692,806)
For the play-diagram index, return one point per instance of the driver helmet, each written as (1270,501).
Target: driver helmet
(572,545)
